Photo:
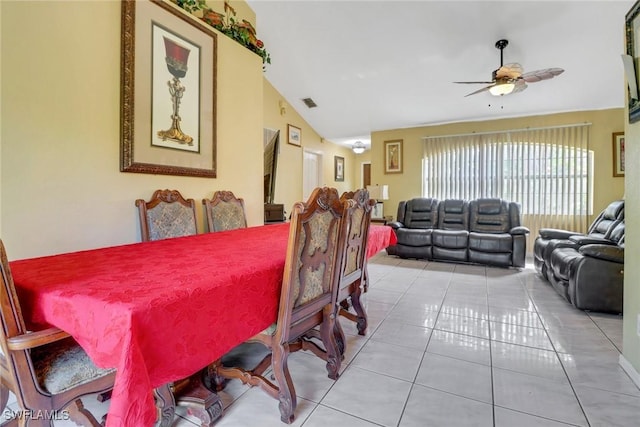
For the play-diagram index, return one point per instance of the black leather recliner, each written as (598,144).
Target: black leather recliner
(589,274)
(495,234)
(550,238)
(415,223)
(451,238)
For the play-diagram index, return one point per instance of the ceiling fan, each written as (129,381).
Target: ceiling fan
(509,78)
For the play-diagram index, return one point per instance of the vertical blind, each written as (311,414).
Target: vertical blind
(548,171)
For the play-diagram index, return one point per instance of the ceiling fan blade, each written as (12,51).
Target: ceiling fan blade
(513,71)
(545,74)
(520,85)
(480,90)
(484,83)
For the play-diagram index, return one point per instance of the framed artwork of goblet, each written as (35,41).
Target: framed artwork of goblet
(168,95)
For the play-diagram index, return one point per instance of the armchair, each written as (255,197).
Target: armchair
(46,369)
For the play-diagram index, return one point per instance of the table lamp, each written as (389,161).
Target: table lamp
(379,193)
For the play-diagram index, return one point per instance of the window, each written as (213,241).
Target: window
(547,171)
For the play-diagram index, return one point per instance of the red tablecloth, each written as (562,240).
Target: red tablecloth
(160,311)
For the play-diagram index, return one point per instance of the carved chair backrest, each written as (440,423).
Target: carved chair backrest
(225,211)
(166,215)
(14,365)
(357,228)
(312,262)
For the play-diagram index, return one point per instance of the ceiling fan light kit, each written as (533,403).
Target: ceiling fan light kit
(502,89)
(509,78)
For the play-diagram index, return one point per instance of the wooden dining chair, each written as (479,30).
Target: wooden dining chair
(46,370)
(307,299)
(353,264)
(166,215)
(224,211)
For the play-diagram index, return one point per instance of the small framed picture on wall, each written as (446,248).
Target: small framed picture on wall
(338,165)
(618,153)
(393,156)
(294,135)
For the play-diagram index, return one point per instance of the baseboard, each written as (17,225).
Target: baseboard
(630,370)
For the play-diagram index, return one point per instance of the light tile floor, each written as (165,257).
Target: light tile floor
(456,345)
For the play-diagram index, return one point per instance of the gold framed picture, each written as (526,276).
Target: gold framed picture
(393,156)
(618,153)
(168,98)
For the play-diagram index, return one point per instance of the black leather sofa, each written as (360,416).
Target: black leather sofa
(587,269)
(481,231)
(550,238)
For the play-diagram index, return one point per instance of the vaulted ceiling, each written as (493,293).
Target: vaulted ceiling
(375,65)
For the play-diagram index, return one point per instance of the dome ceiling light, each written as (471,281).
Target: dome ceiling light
(358,147)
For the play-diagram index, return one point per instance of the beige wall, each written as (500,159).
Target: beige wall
(409,184)
(289,174)
(61,188)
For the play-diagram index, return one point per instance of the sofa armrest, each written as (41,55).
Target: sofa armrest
(554,233)
(590,240)
(519,230)
(612,253)
(395,224)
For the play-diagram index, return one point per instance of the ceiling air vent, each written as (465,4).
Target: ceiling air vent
(309,102)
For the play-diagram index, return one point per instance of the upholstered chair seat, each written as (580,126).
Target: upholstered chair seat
(63,365)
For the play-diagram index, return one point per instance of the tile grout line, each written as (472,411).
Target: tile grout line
(575,394)
(415,377)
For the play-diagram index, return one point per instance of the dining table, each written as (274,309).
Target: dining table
(163,310)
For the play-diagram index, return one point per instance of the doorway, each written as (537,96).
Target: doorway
(311,172)
(366,174)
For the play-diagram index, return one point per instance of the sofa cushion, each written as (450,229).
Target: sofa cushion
(489,216)
(414,237)
(446,254)
(453,214)
(615,210)
(490,242)
(489,206)
(452,239)
(421,213)
(561,262)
